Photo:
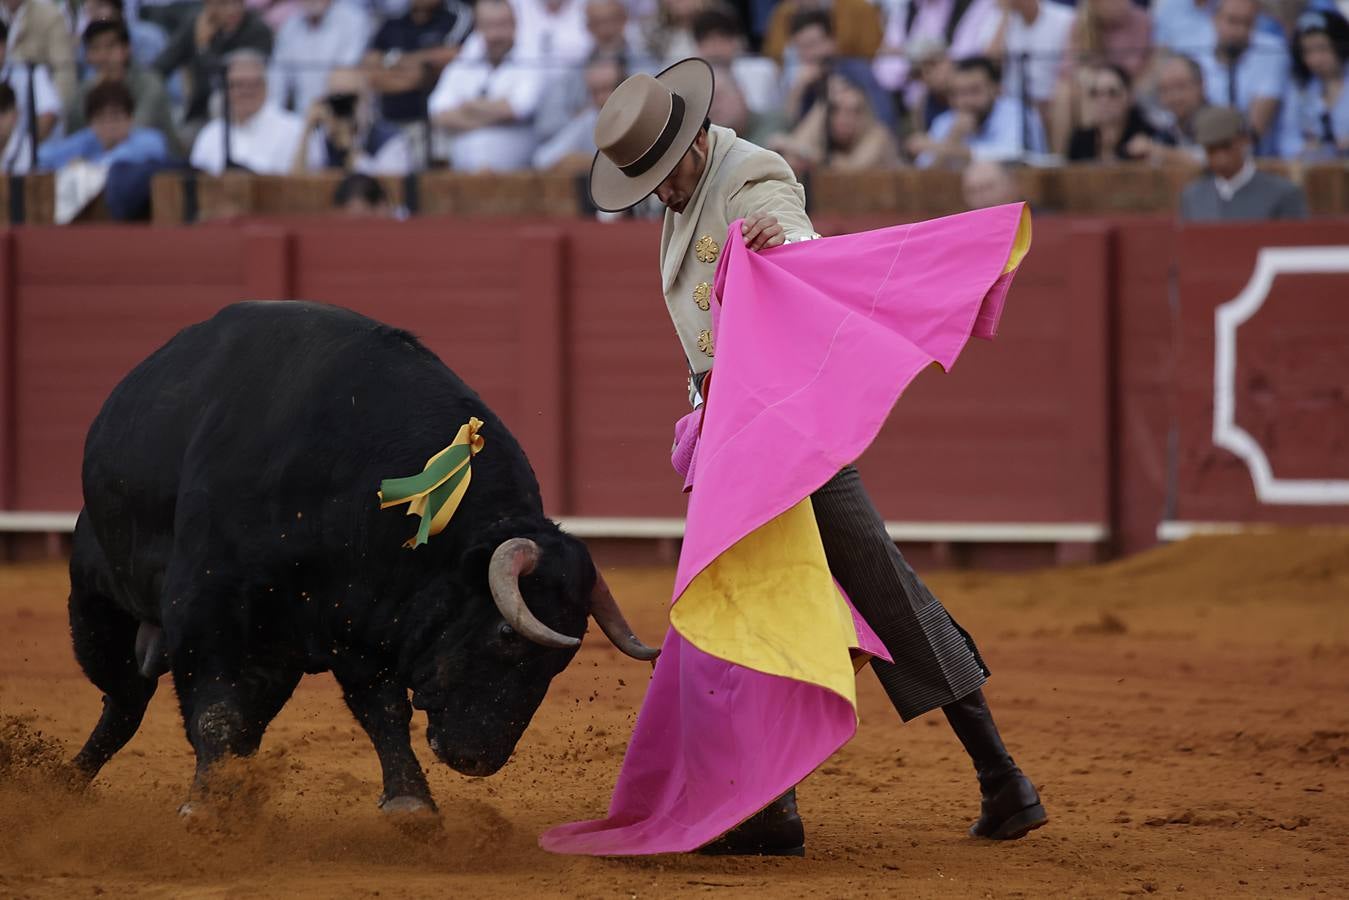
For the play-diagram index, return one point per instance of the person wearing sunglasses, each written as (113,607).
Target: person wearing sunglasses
(342,132)
(1114,128)
(1316,111)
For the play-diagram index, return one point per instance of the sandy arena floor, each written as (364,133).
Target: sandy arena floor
(1186,714)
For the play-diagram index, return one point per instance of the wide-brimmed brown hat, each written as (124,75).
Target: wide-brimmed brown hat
(645,128)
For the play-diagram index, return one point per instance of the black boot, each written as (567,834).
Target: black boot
(1011,806)
(776,830)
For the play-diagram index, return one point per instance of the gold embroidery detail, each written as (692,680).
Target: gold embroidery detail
(705,343)
(706,249)
(702,295)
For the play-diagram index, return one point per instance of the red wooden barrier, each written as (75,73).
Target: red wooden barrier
(1090,416)
(1265,439)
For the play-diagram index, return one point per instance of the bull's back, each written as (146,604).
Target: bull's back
(260,400)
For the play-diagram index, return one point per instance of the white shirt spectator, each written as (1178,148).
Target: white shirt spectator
(758,79)
(265,144)
(501,148)
(306,52)
(551,38)
(45,97)
(1043,41)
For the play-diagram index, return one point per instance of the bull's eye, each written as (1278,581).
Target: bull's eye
(505,632)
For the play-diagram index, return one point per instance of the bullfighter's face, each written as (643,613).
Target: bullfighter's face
(678,187)
(487,681)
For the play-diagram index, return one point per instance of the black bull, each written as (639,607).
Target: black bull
(231,535)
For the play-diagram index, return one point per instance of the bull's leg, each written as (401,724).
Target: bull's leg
(206,632)
(385,713)
(105,645)
(267,692)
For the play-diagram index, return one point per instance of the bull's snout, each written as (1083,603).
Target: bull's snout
(478,764)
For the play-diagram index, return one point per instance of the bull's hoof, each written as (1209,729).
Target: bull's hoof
(190,810)
(408,806)
(416,817)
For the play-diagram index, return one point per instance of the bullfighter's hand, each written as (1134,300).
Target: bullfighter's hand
(762,231)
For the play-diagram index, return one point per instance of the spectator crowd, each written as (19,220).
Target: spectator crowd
(126,88)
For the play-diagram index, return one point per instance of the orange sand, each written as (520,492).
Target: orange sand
(1186,713)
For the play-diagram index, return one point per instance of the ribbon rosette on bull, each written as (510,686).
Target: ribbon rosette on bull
(436,492)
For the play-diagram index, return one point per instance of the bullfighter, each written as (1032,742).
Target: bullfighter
(654,136)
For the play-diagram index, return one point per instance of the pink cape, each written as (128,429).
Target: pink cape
(814,346)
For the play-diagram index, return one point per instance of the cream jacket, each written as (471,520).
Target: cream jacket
(741,178)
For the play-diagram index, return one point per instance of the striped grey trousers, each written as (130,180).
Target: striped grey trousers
(936,662)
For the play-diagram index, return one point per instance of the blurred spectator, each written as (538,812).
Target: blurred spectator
(572,149)
(342,132)
(723,43)
(855,26)
(111,136)
(551,34)
(1180,97)
(200,46)
(107,47)
(1233,188)
(842,134)
(1184,26)
(1316,116)
(962,27)
(327,34)
(566,96)
(1245,69)
(987,183)
(1117,32)
(669,33)
(38,33)
(14,141)
(46,100)
(1031,40)
(613,34)
(1113,122)
(147,40)
(729,108)
(358,196)
(929,92)
(983,122)
(276,13)
(406,57)
(263,137)
(818,56)
(486,101)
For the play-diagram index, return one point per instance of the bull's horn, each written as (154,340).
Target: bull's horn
(609,617)
(514,558)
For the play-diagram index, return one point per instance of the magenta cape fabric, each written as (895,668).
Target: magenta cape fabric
(815,343)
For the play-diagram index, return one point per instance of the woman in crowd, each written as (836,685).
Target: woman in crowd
(841,134)
(1112,121)
(1115,32)
(1316,111)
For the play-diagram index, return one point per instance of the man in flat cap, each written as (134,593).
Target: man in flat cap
(1233,188)
(653,136)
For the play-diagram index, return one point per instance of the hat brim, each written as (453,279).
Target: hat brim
(610,189)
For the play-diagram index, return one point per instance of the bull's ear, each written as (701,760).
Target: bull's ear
(473,562)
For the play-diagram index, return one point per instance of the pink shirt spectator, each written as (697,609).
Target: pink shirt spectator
(892,67)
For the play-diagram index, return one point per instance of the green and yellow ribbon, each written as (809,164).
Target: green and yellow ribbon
(436,492)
